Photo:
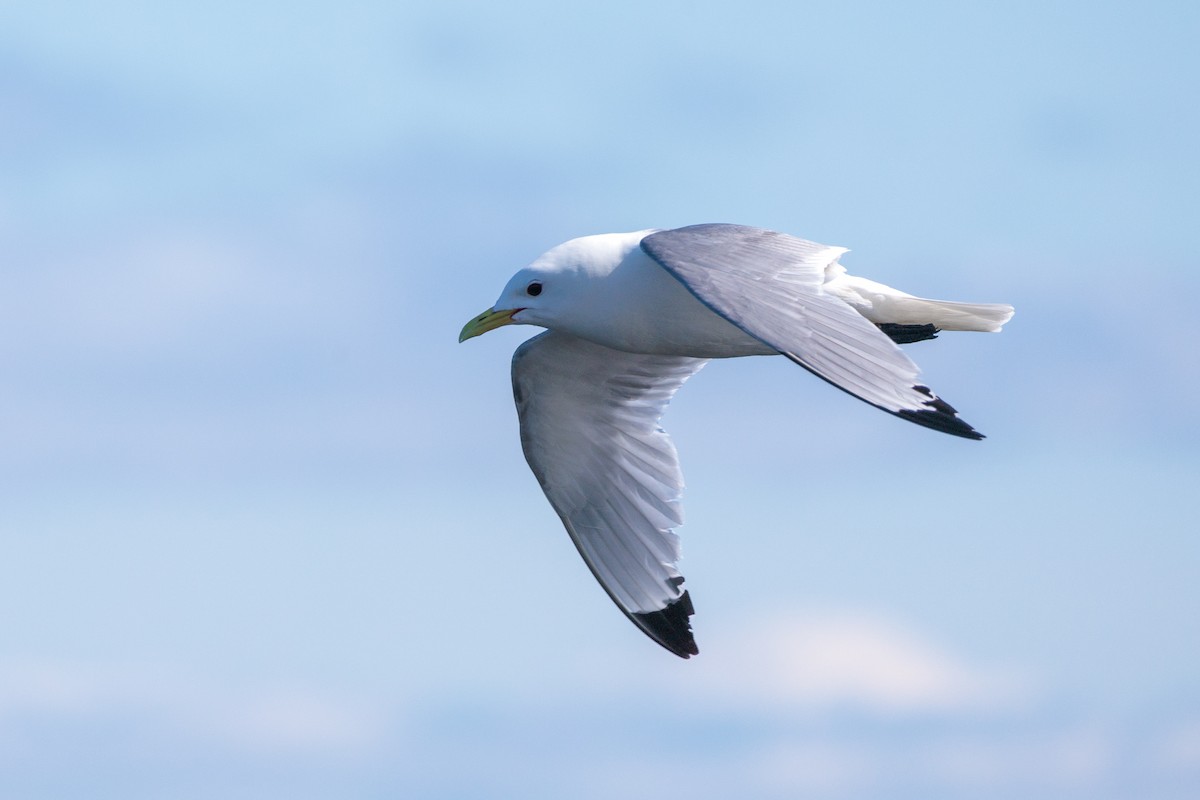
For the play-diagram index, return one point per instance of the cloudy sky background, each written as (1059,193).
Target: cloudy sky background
(265,528)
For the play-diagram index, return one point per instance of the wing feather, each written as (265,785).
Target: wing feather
(590,431)
(770,285)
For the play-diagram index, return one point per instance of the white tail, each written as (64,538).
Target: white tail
(950,316)
(883,304)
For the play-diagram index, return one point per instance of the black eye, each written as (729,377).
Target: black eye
(533,289)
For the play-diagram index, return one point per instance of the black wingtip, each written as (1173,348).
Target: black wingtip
(940,416)
(907,334)
(671,627)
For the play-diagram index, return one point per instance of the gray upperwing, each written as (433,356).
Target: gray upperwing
(769,285)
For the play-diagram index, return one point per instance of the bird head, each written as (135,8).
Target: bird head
(554,291)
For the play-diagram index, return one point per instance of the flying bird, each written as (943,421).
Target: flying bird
(630,317)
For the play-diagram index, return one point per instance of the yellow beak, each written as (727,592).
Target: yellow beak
(488,320)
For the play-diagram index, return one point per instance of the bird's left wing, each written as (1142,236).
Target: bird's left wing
(589,428)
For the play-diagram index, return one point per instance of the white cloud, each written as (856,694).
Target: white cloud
(254,720)
(46,688)
(164,290)
(1028,764)
(296,721)
(1180,748)
(849,660)
(808,767)
(1071,758)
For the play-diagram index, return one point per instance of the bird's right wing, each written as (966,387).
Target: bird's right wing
(770,285)
(589,428)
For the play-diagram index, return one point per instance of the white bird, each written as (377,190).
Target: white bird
(631,316)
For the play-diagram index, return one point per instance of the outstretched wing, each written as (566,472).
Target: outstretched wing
(589,428)
(769,285)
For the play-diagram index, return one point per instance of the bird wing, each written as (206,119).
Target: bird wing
(589,428)
(770,285)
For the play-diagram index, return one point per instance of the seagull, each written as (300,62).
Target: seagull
(630,317)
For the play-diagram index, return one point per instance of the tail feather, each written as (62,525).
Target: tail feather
(951,316)
(884,305)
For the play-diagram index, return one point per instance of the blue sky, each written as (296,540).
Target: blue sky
(266,527)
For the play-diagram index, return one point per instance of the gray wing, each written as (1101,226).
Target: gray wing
(589,428)
(769,285)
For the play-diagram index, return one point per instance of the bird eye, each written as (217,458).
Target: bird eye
(533,289)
